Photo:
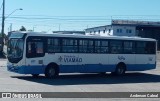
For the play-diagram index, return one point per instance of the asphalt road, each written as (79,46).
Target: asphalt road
(146,81)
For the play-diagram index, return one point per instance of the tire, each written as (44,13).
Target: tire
(120,70)
(35,75)
(51,72)
(102,73)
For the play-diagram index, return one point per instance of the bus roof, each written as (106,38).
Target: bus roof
(86,36)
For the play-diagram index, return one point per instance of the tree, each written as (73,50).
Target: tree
(22,28)
(4,35)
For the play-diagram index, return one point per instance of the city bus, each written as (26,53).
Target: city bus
(51,54)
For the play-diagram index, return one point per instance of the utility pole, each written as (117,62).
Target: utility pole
(10,27)
(3,19)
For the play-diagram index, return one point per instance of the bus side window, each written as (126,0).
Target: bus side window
(150,47)
(140,47)
(129,47)
(116,47)
(39,47)
(31,49)
(35,49)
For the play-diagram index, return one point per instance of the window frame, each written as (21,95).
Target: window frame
(73,46)
(87,48)
(101,46)
(35,39)
(145,47)
(59,45)
(116,52)
(133,48)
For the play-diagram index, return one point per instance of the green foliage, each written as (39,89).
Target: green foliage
(4,35)
(22,28)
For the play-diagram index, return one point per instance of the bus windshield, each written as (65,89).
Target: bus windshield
(15,49)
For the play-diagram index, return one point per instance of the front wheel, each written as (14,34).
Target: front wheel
(51,72)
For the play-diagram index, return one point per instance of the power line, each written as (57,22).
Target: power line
(40,18)
(77,21)
(155,17)
(85,16)
(84,20)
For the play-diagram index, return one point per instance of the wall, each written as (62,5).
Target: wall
(124,31)
(112,30)
(103,31)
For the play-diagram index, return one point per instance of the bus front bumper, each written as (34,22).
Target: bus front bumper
(15,69)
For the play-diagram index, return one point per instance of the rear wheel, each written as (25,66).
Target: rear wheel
(102,73)
(35,75)
(51,72)
(120,69)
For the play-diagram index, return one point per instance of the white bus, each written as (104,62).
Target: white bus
(51,54)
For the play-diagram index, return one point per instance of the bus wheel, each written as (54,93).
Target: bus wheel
(120,69)
(51,72)
(35,75)
(102,73)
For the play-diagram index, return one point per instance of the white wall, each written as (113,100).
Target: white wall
(100,31)
(112,30)
(124,30)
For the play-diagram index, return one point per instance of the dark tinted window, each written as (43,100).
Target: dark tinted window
(129,47)
(150,47)
(90,46)
(146,48)
(116,47)
(35,47)
(101,46)
(69,45)
(53,45)
(83,46)
(141,48)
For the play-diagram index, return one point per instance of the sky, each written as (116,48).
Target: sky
(55,15)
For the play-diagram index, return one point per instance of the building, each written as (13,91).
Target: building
(113,29)
(145,29)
